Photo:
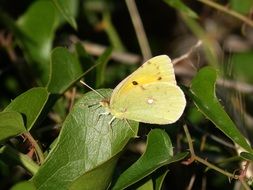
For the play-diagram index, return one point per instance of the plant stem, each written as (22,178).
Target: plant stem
(228,11)
(36,147)
(139,29)
(205,162)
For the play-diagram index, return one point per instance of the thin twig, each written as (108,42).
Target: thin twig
(194,157)
(139,29)
(98,49)
(228,11)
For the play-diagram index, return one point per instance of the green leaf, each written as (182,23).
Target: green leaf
(90,179)
(247,156)
(243,7)
(146,186)
(38,24)
(65,70)
(30,104)
(24,185)
(242,66)
(102,62)
(203,95)
(11,124)
(63,7)
(7,153)
(160,178)
(87,141)
(180,6)
(159,152)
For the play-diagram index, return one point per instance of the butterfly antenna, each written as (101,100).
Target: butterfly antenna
(91,89)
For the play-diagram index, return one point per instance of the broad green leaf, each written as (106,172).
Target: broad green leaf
(24,185)
(11,124)
(65,70)
(243,7)
(30,104)
(90,179)
(64,8)
(159,152)
(102,62)
(38,25)
(87,141)
(180,6)
(203,95)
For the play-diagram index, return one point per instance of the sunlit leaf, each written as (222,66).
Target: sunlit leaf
(203,95)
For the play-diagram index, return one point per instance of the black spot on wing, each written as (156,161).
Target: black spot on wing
(159,78)
(135,82)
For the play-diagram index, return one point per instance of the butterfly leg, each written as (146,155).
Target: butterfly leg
(130,127)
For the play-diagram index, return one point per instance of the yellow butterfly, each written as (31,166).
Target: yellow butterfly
(148,95)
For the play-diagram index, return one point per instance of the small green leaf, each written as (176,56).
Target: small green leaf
(102,62)
(158,153)
(30,104)
(247,156)
(64,9)
(180,6)
(38,24)
(243,7)
(24,185)
(203,95)
(146,186)
(11,124)
(7,153)
(160,178)
(65,70)
(242,66)
(87,141)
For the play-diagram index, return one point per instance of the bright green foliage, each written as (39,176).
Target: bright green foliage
(180,6)
(158,153)
(30,104)
(70,70)
(86,143)
(243,7)
(203,94)
(11,124)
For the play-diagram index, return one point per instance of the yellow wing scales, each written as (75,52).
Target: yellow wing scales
(159,103)
(150,94)
(158,68)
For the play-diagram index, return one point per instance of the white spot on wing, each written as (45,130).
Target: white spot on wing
(150,101)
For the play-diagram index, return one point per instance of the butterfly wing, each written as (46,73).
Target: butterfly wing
(158,68)
(157,103)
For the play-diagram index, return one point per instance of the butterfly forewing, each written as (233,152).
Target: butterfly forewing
(156,69)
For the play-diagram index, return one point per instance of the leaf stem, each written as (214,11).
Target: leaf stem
(194,157)
(36,147)
(228,11)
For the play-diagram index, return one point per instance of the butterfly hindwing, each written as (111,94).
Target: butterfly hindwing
(159,103)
